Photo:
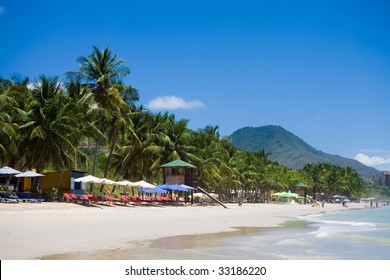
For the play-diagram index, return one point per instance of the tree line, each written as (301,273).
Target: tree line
(90,121)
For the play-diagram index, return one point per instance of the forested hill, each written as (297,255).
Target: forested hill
(289,150)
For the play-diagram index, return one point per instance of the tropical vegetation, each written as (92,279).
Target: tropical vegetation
(89,121)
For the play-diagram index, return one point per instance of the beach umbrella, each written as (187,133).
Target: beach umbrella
(286,195)
(29,174)
(8,171)
(154,190)
(143,184)
(103,182)
(175,187)
(87,179)
(123,183)
(187,187)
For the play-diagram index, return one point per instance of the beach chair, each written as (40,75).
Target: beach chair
(67,197)
(125,199)
(70,197)
(149,199)
(111,199)
(136,199)
(8,199)
(82,199)
(25,197)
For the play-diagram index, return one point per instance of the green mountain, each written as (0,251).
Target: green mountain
(289,150)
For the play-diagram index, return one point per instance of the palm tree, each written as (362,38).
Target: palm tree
(103,72)
(49,133)
(15,99)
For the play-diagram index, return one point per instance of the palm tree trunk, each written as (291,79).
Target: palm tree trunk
(59,180)
(110,154)
(94,158)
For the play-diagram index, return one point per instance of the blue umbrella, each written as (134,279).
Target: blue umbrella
(155,190)
(175,187)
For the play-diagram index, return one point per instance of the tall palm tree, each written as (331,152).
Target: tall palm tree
(103,73)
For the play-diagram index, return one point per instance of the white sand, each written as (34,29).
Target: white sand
(29,231)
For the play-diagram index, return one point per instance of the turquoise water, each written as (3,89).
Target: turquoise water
(343,235)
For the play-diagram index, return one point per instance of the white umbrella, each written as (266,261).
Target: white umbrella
(143,184)
(8,171)
(125,183)
(86,179)
(103,181)
(29,174)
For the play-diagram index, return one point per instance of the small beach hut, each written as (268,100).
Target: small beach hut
(180,172)
(67,183)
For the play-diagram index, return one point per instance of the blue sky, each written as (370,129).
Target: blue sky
(320,69)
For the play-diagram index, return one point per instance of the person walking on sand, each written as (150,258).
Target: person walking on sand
(323,203)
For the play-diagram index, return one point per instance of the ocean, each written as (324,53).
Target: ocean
(362,234)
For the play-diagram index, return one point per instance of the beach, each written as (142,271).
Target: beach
(33,231)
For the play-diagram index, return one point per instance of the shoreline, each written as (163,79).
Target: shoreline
(34,231)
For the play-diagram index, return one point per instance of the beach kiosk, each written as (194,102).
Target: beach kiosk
(181,173)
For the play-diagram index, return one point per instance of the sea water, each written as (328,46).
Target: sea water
(362,234)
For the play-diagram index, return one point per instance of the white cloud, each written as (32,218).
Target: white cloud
(378,162)
(172,103)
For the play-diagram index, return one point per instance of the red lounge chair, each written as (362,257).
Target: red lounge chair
(125,199)
(112,199)
(69,198)
(136,198)
(166,199)
(83,198)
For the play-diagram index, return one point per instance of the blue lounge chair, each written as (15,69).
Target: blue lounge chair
(8,199)
(25,197)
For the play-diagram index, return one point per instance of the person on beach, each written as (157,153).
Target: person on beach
(323,203)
